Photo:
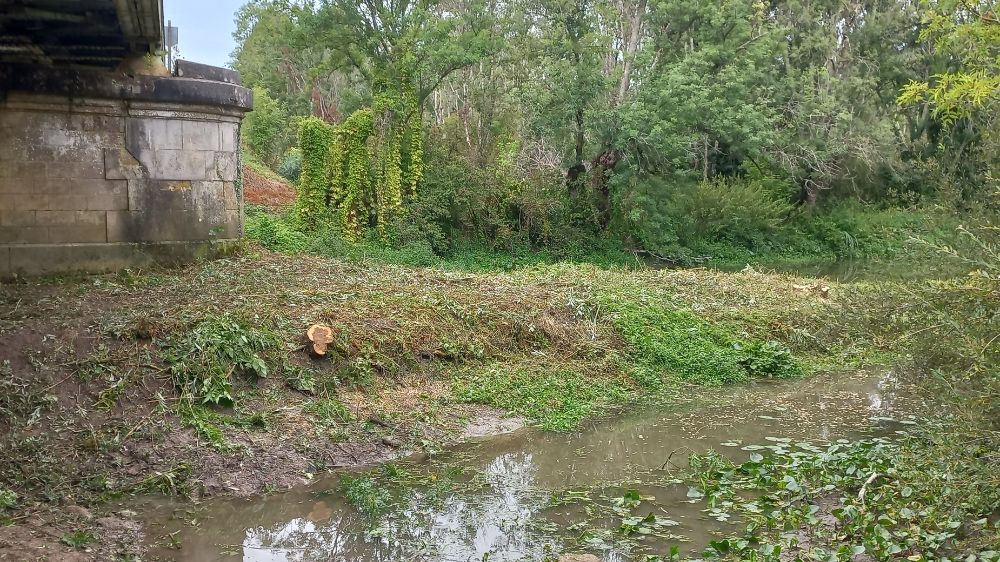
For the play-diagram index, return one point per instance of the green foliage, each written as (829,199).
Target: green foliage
(78,538)
(265,129)
(315,139)
(737,211)
(200,420)
(170,482)
(300,378)
(365,493)
(968,31)
(556,400)
(272,232)
(208,424)
(667,218)
(679,343)
(203,359)
(291,165)
(8,499)
(690,129)
(888,500)
(327,412)
(364,163)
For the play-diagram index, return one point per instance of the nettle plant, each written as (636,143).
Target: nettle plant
(358,172)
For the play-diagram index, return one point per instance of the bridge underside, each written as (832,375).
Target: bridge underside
(82,33)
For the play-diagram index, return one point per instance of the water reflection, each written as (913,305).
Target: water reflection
(510,517)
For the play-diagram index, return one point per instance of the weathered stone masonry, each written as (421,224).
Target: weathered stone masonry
(100,171)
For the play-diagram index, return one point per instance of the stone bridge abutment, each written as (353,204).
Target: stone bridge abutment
(107,168)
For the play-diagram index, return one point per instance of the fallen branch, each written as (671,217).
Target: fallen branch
(864,487)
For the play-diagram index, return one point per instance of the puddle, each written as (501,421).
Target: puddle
(509,515)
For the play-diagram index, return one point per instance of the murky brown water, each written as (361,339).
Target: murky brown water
(510,517)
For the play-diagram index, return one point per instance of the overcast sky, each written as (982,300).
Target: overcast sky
(205,28)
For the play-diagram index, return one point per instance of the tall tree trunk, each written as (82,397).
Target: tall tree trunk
(631,46)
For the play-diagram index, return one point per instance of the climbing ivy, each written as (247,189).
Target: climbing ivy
(315,140)
(415,167)
(359,170)
(352,179)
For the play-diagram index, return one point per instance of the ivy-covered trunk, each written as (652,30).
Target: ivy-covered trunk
(356,174)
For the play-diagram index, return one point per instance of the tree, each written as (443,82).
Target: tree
(957,106)
(401,45)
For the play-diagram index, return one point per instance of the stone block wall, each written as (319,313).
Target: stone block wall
(91,184)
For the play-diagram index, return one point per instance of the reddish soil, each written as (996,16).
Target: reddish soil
(266,192)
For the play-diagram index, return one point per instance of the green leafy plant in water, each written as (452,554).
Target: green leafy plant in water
(365,493)
(883,506)
(631,523)
(203,360)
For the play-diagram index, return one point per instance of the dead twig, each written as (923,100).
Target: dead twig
(864,488)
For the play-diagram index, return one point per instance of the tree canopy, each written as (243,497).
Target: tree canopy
(627,102)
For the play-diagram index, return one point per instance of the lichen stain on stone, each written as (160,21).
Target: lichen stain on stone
(127,159)
(180,185)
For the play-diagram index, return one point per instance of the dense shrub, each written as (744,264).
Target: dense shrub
(266,131)
(735,210)
(273,232)
(675,218)
(291,165)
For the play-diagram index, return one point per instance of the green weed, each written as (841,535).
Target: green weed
(887,500)
(208,424)
(673,341)
(365,493)
(274,232)
(8,499)
(203,359)
(300,378)
(78,539)
(327,412)
(171,482)
(557,399)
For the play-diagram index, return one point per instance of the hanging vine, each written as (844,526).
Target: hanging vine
(315,140)
(354,179)
(359,171)
(415,160)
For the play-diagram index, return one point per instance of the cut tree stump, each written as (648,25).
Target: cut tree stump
(321,336)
